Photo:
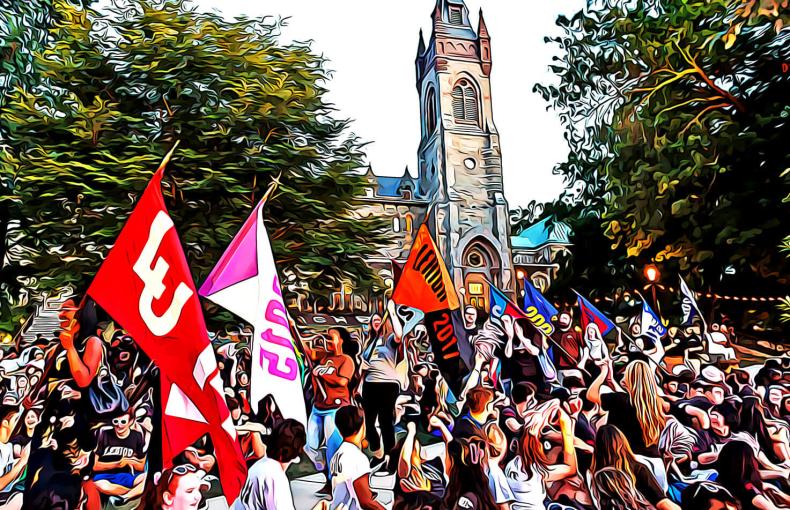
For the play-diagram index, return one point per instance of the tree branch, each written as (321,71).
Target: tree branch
(696,120)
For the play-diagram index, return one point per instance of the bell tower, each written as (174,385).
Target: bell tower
(460,169)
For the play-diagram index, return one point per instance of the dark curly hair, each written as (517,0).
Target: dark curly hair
(286,441)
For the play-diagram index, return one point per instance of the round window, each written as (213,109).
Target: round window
(469,163)
(475,259)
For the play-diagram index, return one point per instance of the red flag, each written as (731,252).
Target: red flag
(425,283)
(145,285)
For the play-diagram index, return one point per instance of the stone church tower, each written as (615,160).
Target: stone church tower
(460,169)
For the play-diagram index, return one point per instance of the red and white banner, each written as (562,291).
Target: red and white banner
(146,286)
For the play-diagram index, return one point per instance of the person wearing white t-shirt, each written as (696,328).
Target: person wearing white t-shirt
(350,468)
(267,487)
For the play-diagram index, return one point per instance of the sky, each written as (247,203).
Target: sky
(371,46)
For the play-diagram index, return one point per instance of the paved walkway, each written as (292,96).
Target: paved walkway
(305,490)
(306,496)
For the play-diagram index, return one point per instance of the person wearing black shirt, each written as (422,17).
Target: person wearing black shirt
(479,401)
(119,463)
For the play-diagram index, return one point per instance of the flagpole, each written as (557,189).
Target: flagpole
(547,337)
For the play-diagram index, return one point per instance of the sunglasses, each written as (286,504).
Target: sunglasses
(711,488)
(120,421)
(179,470)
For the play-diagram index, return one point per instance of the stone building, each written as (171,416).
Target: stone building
(459,177)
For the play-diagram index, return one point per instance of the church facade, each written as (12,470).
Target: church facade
(458,189)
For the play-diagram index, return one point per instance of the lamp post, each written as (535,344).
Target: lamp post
(653,275)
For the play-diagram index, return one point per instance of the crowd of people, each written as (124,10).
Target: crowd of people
(571,420)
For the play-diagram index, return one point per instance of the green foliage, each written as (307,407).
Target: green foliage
(677,123)
(116,92)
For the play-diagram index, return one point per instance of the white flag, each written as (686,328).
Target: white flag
(688,304)
(245,282)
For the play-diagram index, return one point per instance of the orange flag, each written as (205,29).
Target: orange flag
(425,283)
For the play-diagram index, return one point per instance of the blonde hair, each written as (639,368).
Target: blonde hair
(615,490)
(612,450)
(497,442)
(641,385)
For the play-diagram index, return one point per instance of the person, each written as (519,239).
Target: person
(85,365)
(613,451)
(570,341)
(771,435)
(739,472)
(330,376)
(523,359)
(614,490)
(471,325)
(381,387)
(12,467)
(349,467)
(479,402)
(30,418)
(522,399)
(595,351)
(705,392)
(180,488)
(530,471)
(708,496)
(267,487)
(119,466)
(417,473)
(468,486)
(637,410)
(249,433)
(718,343)
(716,431)
(497,481)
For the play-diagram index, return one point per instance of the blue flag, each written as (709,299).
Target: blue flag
(538,309)
(651,323)
(590,314)
(501,305)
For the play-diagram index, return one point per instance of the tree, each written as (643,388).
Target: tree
(675,120)
(119,90)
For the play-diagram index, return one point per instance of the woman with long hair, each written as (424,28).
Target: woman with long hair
(636,407)
(614,490)
(613,451)
(595,350)
(468,484)
(530,471)
(740,473)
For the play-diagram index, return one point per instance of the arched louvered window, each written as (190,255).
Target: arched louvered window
(456,16)
(465,103)
(430,112)
(396,224)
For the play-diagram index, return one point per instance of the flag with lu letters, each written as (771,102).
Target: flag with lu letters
(159,307)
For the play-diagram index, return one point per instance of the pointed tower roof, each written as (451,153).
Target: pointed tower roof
(482,29)
(420,45)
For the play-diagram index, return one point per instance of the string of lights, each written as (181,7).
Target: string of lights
(631,296)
